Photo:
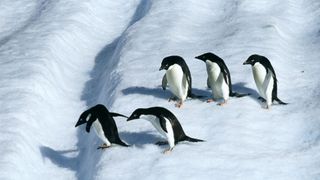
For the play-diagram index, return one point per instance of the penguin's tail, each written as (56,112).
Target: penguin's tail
(193,96)
(190,139)
(279,101)
(238,95)
(122,143)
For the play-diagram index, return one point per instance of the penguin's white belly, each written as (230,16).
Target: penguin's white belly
(99,131)
(177,81)
(156,123)
(220,88)
(264,81)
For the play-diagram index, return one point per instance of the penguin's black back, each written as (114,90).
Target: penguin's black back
(107,122)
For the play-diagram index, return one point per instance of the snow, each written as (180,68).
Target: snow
(59,58)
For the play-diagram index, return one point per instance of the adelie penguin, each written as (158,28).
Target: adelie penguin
(178,77)
(265,79)
(103,123)
(219,79)
(166,123)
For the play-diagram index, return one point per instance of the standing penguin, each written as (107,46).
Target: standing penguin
(265,79)
(166,123)
(178,77)
(103,123)
(219,79)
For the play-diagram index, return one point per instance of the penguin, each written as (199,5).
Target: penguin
(103,123)
(265,79)
(219,79)
(166,123)
(178,77)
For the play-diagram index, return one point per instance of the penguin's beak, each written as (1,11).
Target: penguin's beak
(161,68)
(246,62)
(81,121)
(199,58)
(132,117)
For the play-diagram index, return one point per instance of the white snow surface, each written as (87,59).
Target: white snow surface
(58,58)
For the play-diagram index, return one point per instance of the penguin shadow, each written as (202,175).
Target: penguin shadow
(156,92)
(159,92)
(139,139)
(61,158)
(71,158)
(202,93)
(241,88)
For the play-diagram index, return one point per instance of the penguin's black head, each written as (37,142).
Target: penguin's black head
(136,114)
(253,59)
(208,56)
(204,56)
(170,60)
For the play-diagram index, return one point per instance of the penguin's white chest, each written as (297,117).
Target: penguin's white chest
(264,81)
(220,88)
(99,131)
(155,121)
(177,81)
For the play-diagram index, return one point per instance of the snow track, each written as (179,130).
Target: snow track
(60,57)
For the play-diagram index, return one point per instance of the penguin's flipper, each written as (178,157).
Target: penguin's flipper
(164,82)
(113,114)
(279,101)
(238,95)
(187,76)
(163,124)
(90,121)
(208,83)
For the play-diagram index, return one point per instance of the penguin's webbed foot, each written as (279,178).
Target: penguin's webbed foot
(161,143)
(222,103)
(210,100)
(268,107)
(103,146)
(179,104)
(167,151)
